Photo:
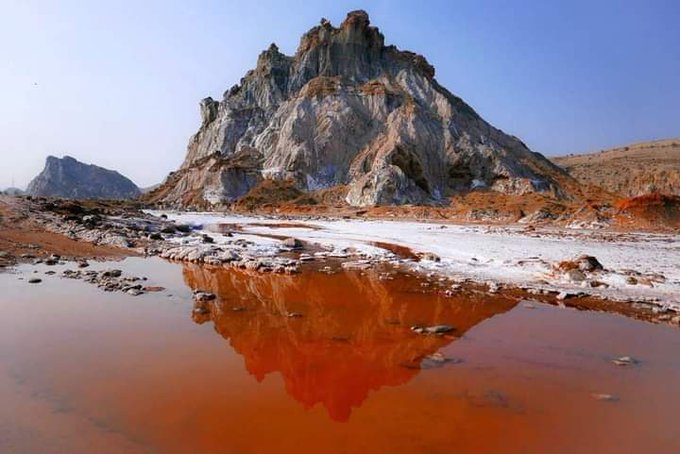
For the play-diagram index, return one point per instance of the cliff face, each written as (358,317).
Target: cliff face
(348,110)
(72,179)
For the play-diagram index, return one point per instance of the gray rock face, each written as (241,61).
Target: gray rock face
(72,179)
(348,110)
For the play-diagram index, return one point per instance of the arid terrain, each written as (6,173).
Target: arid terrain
(631,170)
(126,330)
(349,259)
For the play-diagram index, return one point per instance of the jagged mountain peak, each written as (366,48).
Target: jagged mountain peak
(347,110)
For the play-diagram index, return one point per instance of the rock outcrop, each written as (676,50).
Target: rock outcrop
(348,110)
(72,179)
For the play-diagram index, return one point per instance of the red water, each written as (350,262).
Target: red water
(88,371)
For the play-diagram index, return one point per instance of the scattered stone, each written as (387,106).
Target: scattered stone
(201,310)
(34,280)
(294,315)
(605,397)
(50,272)
(83,264)
(292,243)
(184,228)
(204,296)
(625,361)
(357,265)
(575,275)
(28,256)
(153,288)
(112,273)
(588,263)
(597,284)
(563,296)
(207,239)
(168,229)
(437,359)
(436,329)
(305,258)
(430,256)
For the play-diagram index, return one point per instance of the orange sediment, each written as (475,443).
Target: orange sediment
(324,363)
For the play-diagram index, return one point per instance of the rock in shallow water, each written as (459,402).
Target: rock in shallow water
(112,273)
(625,361)
(204,296)
(436,329)
(605,397)
(437,359)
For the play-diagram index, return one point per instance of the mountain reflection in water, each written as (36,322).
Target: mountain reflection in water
(334,338)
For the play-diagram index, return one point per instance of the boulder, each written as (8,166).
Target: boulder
(588,263)
(292,243)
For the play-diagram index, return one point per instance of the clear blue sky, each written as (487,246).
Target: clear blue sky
(118,82)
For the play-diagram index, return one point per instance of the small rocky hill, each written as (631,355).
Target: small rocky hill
(13,191)
(348,111)
(631,170)
(71,179)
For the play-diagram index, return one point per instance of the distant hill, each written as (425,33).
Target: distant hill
(150,188)
(13,191)
(72,179)
(631,170)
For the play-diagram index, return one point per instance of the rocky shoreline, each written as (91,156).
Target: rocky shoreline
(142,233)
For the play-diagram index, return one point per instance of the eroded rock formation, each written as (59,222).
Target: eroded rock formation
(348,110)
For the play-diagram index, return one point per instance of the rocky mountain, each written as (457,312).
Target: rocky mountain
(72,179)
(631,170)
(349,111)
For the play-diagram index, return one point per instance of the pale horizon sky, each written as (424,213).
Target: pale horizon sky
(118,84)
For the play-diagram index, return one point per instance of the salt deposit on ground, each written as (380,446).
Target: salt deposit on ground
(498,254)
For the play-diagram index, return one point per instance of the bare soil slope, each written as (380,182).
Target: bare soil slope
(629,171)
